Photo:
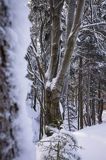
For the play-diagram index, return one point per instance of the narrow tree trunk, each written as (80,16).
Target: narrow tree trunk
(93,112)
(100,104)
(68,114)
(88,113)
(80,100)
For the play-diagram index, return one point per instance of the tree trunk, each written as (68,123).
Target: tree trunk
(100,104)
(93,111)
(8,148)
(52,96)
(71,12)
(55,7)
(88,113)
(80,96)
(53,115)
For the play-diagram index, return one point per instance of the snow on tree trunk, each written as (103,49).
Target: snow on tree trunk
(17,36)
(8,145)
(54,89)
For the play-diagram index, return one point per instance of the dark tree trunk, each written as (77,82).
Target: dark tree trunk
(100,104)
(88,113)
(42,116)
(93,112)
(53,115)
(80,96)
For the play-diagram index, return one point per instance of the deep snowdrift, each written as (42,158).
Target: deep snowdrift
(93,141)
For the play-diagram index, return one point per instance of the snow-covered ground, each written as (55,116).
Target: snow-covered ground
(93,141)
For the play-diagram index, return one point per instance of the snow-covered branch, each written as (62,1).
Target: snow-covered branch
(92,25)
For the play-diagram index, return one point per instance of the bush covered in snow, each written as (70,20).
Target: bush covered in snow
(59,146)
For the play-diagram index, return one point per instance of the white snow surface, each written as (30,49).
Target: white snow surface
(48,146)
(93,141)
(18,35)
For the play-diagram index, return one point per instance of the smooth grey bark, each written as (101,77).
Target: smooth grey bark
(53,115)
(71,13)
(70,43)
(55,8)
(53,95)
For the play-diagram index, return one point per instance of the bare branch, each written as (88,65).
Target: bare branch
(59,4)
(39,79)
(42,75)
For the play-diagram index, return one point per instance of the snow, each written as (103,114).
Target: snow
(53,84)
(48,84)
(18,35)
(61,108)
(62,142)
(93,141)
(35,117)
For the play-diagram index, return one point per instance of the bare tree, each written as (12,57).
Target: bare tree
(56,76)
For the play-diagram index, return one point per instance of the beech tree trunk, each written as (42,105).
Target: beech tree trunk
(53,115)
(53,91)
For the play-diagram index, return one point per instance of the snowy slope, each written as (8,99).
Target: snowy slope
(18,37)
(93,141)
